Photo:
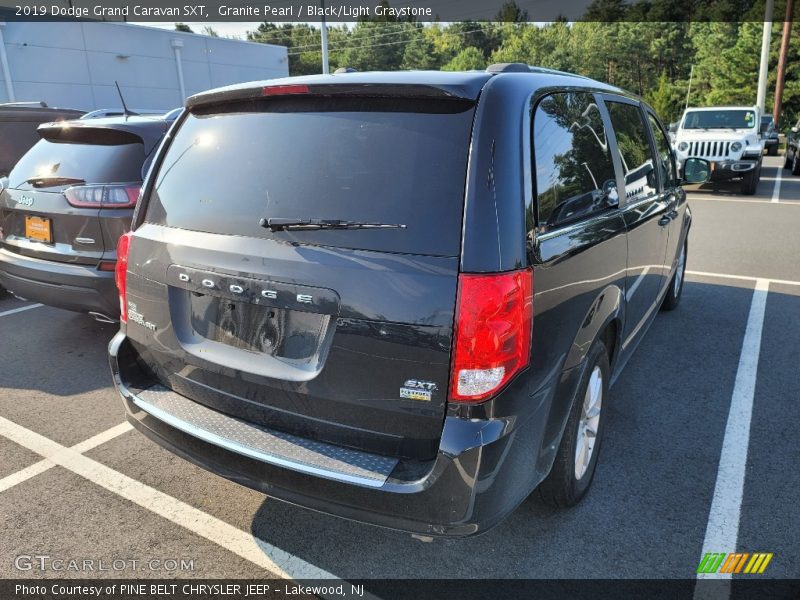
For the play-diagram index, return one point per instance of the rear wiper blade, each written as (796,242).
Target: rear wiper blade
(283,224)
(52,180)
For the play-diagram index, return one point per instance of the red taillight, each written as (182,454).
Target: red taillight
(121,273)
(103,196)
(284,90)
(107,265)
(494,316)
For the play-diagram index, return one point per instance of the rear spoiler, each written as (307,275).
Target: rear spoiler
(329,90)
(88,132)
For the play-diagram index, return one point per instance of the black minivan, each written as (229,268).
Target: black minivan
(399,298)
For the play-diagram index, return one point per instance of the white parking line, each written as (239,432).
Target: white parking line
(43,465)
(14,311)
(722,530)
(704,199)
(742,277)
(259,552)
(776,190)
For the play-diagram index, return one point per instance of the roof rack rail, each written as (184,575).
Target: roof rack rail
(345,70)
(508,68)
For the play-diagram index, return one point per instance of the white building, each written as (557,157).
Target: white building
(74,64)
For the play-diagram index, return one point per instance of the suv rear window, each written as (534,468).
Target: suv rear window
(373,160)
(93,163)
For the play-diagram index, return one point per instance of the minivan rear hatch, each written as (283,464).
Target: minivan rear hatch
(336,324)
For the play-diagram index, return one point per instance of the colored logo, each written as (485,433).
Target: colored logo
(735,562)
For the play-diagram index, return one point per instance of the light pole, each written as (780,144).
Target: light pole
(324,31)
(762,70)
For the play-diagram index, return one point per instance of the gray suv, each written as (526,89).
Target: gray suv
(65,204)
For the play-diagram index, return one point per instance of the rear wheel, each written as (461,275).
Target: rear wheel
(795,163)
(576,459)
(675,290)
(787,159)
(773,150)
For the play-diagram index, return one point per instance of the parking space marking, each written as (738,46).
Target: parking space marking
(722,530)
(693,198)
(18,310)
(742,277)
(28,472)
(776,190)
(43,465)
(276,561)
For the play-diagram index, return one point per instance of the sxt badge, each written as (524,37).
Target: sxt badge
(414,389)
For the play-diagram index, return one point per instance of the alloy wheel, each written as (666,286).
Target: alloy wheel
(589,422)
(676,290)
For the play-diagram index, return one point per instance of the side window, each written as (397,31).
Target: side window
(574,170)
(636,155)
(666,162)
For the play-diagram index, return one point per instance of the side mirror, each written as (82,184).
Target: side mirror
(3,183)
(795,129)
(673,127)
(696,170)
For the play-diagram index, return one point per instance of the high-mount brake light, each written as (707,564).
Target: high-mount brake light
(494,319)
(284,90)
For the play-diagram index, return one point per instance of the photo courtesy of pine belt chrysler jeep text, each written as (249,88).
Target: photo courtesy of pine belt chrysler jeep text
(399,298)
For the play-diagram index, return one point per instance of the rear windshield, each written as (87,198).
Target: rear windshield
(720,119)
(94,164)
(394,161)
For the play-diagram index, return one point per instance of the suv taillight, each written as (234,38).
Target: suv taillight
(121,273)
(494,317)
(103,196)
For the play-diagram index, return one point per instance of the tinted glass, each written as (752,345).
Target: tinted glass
(367,160)
(636,156)
(15,140)
(574,172)
(668,174)
(94,164)
(720,119)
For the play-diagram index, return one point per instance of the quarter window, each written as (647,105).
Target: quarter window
(574,171)
(635,152)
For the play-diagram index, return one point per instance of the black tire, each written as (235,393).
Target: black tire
(675,289)
(787,159)
(795,163)
(750,183)
(562,488)
(773,150)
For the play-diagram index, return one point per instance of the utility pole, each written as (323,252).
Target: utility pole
(764,67)
(787,34)
(324,30)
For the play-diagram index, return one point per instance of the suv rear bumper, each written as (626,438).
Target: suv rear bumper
(73,287)
(482,471)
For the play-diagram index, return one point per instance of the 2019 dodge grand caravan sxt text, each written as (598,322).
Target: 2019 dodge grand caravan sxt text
(398,298)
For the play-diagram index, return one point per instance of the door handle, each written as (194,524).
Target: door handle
(665,220)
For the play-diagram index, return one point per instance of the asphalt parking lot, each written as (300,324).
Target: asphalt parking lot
(678,476)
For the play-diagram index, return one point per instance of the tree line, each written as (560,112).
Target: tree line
(649,48)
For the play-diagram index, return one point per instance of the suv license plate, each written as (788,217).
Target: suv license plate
(39,229)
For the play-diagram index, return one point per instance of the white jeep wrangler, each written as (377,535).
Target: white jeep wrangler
(726,136)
